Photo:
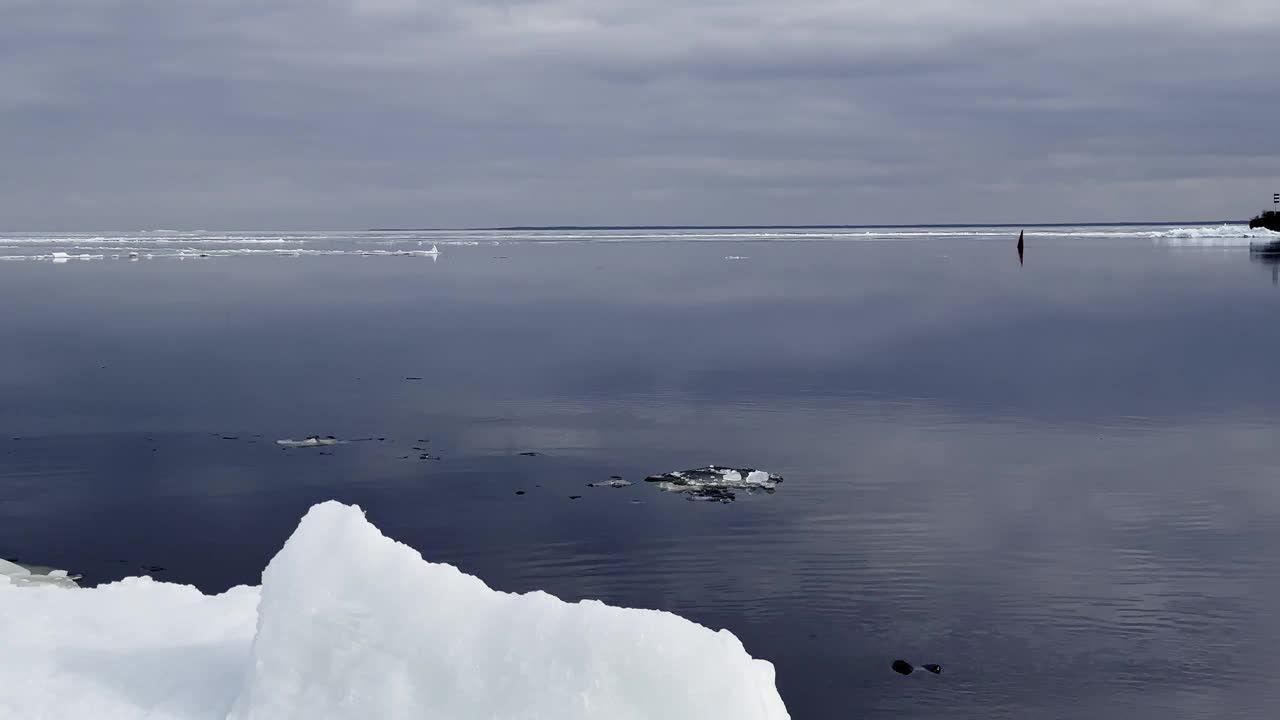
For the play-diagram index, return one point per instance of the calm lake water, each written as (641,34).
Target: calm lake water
(1060,480)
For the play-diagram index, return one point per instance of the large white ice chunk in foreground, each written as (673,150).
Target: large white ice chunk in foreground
(351,624)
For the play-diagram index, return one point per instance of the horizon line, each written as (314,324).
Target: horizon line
(797,227)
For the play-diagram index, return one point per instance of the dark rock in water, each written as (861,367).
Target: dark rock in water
(413,378)
(519,492)
(230,437)
(933,668)
(575,497)
(530,454)
(902,667)
(151,568)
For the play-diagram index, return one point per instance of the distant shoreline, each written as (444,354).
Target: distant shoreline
(529,228)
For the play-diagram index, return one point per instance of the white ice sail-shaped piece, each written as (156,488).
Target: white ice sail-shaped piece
(350,624)
(354,625)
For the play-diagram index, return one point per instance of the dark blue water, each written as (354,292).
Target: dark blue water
(1060,481)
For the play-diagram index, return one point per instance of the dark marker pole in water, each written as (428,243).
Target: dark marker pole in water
(1020,247)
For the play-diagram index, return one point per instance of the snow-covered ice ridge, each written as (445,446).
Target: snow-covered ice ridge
(350,624)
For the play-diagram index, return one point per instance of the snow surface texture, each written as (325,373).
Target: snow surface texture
(350,624)
(714,483)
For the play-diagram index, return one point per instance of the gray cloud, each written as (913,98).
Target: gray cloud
(356,113)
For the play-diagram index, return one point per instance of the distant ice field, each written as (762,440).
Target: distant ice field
(169,244)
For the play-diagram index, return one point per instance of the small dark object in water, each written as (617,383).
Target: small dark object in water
(325,453)
(151,568)
(902,667)
(413,378)
(1020,246)
(575,497)
(230,437)
(530,454)
(519,492)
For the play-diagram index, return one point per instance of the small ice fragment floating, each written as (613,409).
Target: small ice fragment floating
(31,575)
(614,481)
(350,624)
(311,441)
(717,484)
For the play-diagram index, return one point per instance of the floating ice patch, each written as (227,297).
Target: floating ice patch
(615,481)
(716,483)
(350,624)
(311,441)
(737,257)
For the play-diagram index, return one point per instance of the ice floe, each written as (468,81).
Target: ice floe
(311,441)
(614,481)
(35,575)
(350,624)
(716,483)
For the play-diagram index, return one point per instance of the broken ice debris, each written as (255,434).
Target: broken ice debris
(614,481)
(310,441)
(27,575)
(717,484)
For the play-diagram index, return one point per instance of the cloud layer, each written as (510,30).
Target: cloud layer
(357,113)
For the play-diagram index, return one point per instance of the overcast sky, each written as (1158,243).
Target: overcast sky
(128,114)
